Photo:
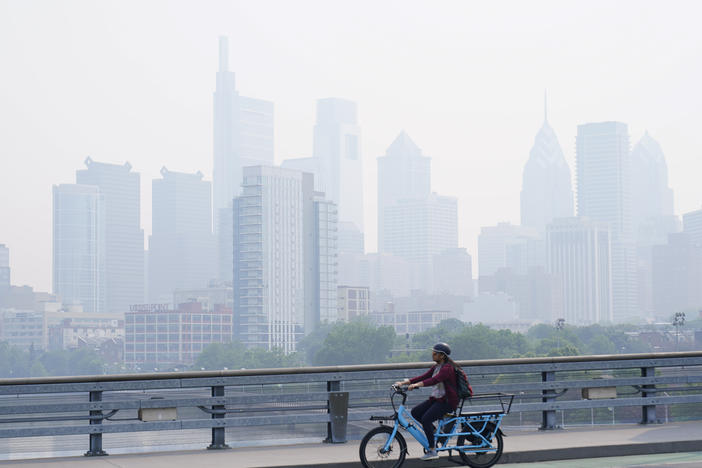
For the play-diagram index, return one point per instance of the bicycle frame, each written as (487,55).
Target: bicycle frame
(481,427)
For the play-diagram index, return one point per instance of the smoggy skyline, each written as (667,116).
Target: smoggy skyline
(127,81)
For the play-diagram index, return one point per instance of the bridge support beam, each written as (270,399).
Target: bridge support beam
(218,438)
(96,438)
(548,417)
(648,412)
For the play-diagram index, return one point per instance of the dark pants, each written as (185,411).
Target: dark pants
(426,413)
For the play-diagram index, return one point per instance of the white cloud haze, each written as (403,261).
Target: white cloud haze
(133,81)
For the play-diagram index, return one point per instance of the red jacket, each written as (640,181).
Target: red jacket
(446,375)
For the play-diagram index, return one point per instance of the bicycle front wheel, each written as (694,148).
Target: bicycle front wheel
(373,453)
(481,459)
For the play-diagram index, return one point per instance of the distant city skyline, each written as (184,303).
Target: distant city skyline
(101,80)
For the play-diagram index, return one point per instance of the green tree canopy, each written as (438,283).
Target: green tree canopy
(356,342)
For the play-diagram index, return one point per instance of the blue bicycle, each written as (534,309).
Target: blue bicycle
(479,439)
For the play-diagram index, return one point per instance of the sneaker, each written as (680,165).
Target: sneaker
(430,455)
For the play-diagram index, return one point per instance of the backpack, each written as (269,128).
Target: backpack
(463,388)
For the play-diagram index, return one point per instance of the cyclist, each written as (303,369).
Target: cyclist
(443,399)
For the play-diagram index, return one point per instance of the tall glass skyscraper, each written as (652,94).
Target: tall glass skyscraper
(578,251)
(419,229)
(284,258)
(4,273)
(652,199)
(243,136)
(546,186)
(182,247)
(404,173)
(337,151)
(79,246)
(124,238)
(604,195)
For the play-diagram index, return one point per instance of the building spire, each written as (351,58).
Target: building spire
(545,107)
(223,53)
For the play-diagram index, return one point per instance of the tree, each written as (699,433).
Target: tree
(82,361)
(236,356)
(310,345)
(356,342)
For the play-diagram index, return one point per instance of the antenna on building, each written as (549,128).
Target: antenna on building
(223,53)
(545,107)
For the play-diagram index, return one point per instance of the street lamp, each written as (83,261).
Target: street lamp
(678,323)
(560,324)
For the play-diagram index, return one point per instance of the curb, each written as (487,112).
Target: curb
(532,456)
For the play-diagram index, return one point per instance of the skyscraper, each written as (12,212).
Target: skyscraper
(243,136)
(181,247)
(651,196)
(337,150)
(604,195)
(418,229)
(323,262)
(546,188)
(677,276)
(692,225)
(4,273)
(403,173)
(284,258)
(79,246)
(453,272)
(124,239)
(494,251)
(578,251)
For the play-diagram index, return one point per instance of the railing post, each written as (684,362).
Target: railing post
(218,432)
(337,408)
(548,417)
(96,438)
(648,412)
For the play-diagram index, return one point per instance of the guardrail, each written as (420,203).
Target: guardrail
(331,395)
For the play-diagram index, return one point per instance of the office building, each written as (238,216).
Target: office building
(156,335)
(418,229)
(337,151)
(74,332)
(546,187)
(181,247)
(652,199)
(453,272)
(353,302)
(212,296)
(284,258)
(677,276)
(604,195)
(579,255)
(404,173)
(495,249)
(324,263)
(79,250)
(4,273)
(408,323)
(124,239)
(243,136)
(692,225)
(350,240)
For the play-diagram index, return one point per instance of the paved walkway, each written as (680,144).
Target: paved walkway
(520,446)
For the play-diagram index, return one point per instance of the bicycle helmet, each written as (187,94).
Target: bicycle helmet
(442,348)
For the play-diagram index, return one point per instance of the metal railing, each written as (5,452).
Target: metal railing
(337,395)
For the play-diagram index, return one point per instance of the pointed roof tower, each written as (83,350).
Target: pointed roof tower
(403,147)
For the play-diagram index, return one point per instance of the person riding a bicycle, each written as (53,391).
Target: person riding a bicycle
(444,397)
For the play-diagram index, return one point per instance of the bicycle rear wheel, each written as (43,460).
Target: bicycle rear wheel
(481,459)
(372,450)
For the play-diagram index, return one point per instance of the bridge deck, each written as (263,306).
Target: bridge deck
(520,446)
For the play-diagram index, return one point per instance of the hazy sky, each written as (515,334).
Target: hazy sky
(133,81)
